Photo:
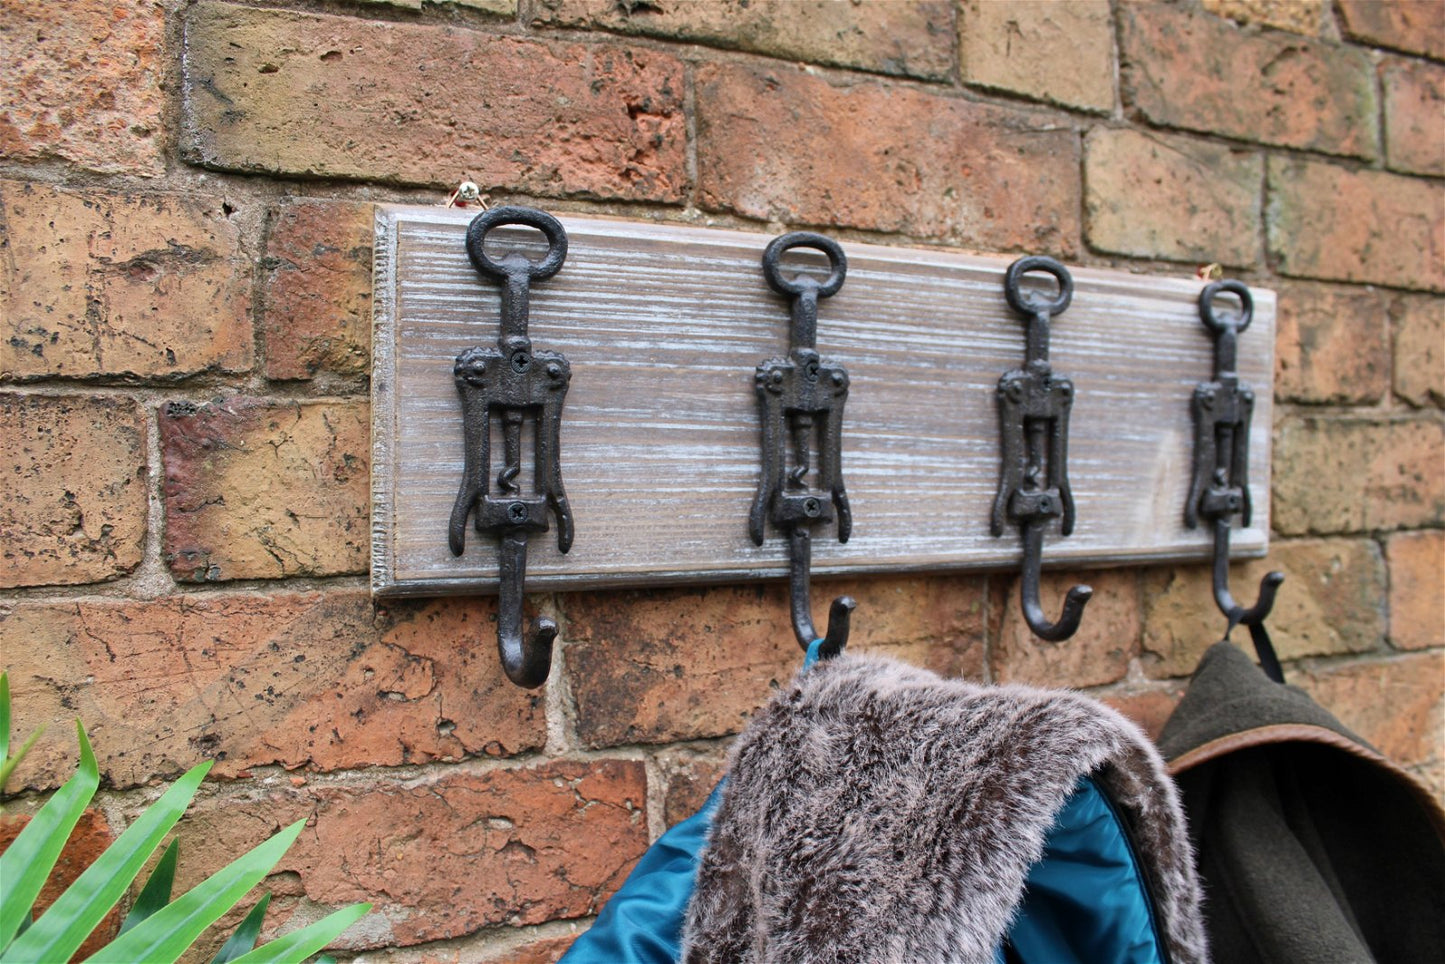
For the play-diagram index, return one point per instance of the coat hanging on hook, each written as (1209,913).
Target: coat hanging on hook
(514,383)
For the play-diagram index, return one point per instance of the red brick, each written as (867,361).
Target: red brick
(1419,323)
(690,776)
(1339,225)
(100,284)
(1062,52)
(265,490)
(1414,26)
(84,83)
(1297,16)
(1201,73)
(291,93)
(73,509)
(1394,704)
(444,854)
(317,314)
(1108,636)
(780,144)
(1178,198)
(1332,344)
(1417,589)
(1150,708)
(1329,604)
(660,666)
(85,844)
(1335,475)
(1414,93)
(914,39)
(320,681)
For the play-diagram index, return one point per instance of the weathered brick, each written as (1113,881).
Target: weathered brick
(321,96)
(86,842)
(1417,589)
(1108,635)
(1340,225)
(908,39)
(1395,704)
(1414,26)
(1414,93)
(1062,52)
(781,144)
(257,489)
(690,776)
(1149,707)
(1419,323)
(1202,73)
(1330,603)
(1160,196)
(444,854)
(664,665)
(320,681)
(1297,16)
(100,284)
(84,83)
(1335,475)
(73,509)
(1332,344)
(504,8)
(317,315)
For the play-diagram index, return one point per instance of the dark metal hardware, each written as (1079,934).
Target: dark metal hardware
(1222,410)
(513,383)
(801,397)
(1033,414)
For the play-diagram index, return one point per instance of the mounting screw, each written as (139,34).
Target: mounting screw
(517,512)
(521,361)
(812,508)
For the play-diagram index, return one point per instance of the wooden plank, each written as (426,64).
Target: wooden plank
(664,325)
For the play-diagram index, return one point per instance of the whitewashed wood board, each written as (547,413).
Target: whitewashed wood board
(664,325)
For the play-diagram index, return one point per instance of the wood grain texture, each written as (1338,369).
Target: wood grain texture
(664,326)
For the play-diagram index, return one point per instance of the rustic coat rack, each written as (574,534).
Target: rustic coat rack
(666,324)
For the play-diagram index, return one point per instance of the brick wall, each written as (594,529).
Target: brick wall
(185,196)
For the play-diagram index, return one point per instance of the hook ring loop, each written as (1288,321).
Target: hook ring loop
(550,227)
(1035,303)
(1215,322)
(837,261)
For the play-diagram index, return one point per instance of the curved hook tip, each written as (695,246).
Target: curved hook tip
(840,615)
(1268,589)
(1074,602)
(528,662)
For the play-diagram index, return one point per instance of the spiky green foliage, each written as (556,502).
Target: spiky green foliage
(157,929)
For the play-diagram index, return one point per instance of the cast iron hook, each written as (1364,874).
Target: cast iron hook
(513,381)
(1034,406)
(1220,487)
(799,395)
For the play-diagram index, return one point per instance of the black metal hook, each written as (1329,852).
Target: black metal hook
(1219,488)
(1033,409)
(802,398)
(513,382)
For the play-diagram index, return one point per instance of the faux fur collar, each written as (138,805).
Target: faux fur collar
(878,813)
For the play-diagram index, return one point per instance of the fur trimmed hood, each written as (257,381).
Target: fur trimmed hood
(876,812)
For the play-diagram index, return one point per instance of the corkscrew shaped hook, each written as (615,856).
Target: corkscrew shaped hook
(1033,409)
(514,382)
(1219,489)
(801,398)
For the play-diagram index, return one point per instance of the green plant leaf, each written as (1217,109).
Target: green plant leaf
(27,862)
(245,937)
(166,934)
(296,946)
(60,931)
(8,763)
(157,890)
